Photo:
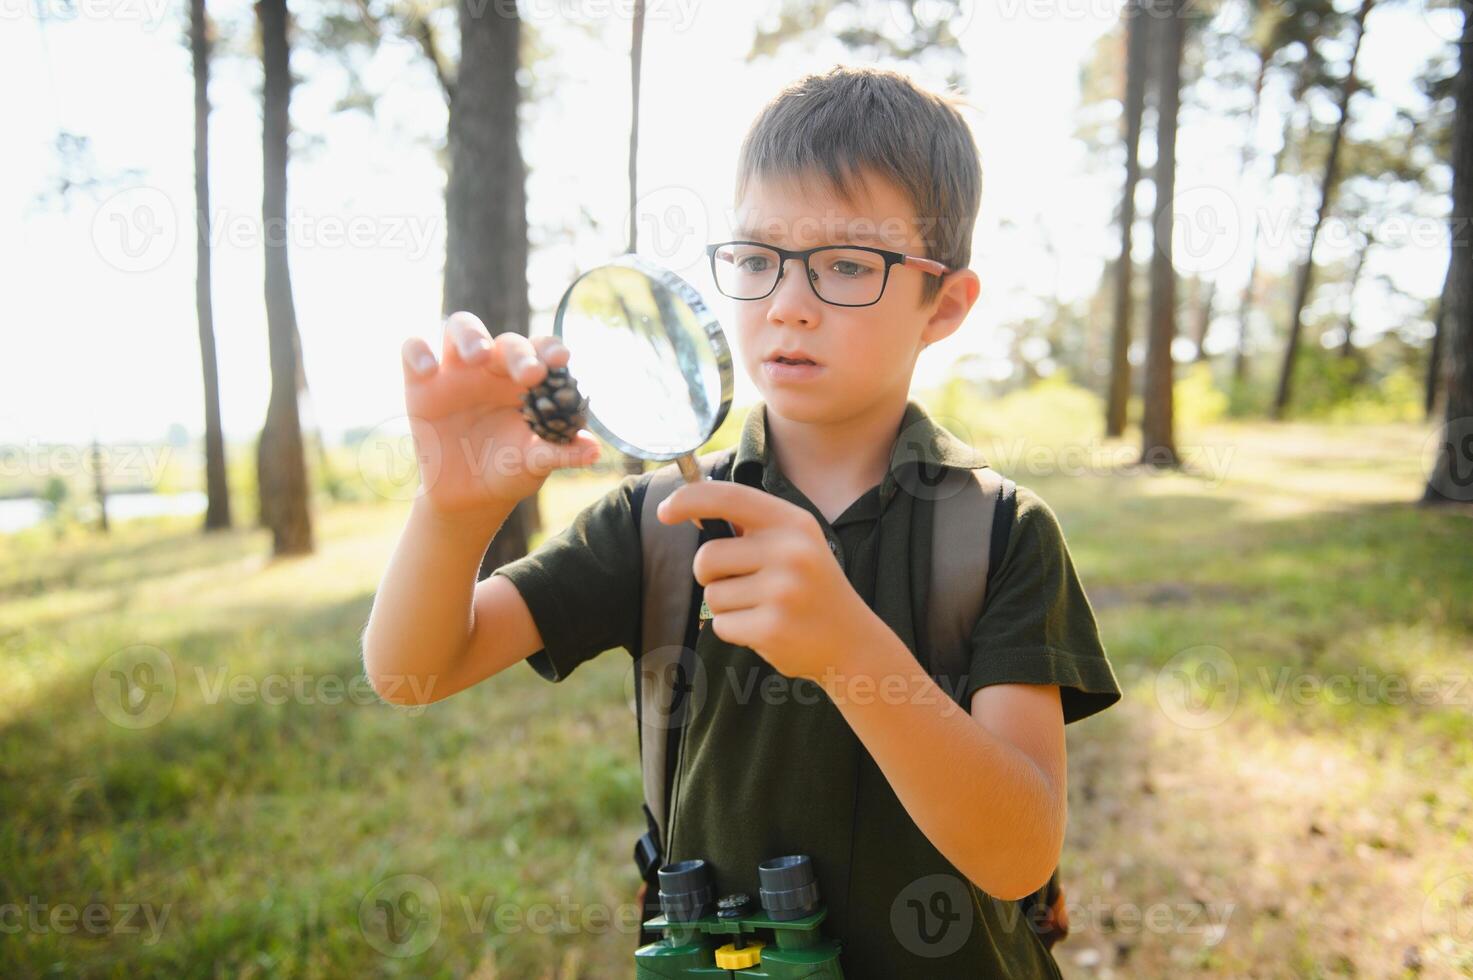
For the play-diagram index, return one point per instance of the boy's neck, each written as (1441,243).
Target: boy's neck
(835,463)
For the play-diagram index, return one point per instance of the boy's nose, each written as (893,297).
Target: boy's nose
(793,301)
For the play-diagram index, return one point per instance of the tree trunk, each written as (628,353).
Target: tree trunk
(634,465)
(1451,479)
(217,488)
(281,466)
(1137,68)
(1245,304)
(1347,347)
(1158,441)
(486,209)
(1204,317)
(1327,193)
(1434,352)
(99,485)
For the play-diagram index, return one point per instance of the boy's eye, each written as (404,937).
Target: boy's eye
(752,263)
(852,264)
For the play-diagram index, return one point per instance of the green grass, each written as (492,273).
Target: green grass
(1328,834)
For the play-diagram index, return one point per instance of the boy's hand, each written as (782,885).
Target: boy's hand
(475,450)
(777,588)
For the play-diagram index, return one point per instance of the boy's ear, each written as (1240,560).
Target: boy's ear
(959,291)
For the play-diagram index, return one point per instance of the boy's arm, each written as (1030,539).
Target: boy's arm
(422,642)
(993,802)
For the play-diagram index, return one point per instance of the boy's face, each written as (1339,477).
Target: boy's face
(864,355)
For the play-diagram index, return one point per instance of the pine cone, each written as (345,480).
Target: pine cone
(554,409)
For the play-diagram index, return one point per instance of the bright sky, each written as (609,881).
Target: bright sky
(97,311)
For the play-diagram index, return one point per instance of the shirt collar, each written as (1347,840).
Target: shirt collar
(920,440)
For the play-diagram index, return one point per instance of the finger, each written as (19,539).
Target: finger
(727,557)
(519,358)
(418,360)
(543,457)
(551,350)
(732,594)
(466,339)
(738,503)
(741,627)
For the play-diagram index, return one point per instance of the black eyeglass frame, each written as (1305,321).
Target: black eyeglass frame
(892,258)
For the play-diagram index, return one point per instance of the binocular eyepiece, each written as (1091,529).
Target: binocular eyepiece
(788,890)
(706,936)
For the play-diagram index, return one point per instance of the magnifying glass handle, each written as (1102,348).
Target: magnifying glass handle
(714,527)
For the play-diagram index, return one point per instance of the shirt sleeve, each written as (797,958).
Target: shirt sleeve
(1037,626)
(582,585)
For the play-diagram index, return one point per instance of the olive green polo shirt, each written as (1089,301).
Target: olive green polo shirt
(767,765)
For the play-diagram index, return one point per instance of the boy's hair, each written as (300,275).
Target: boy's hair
(833,125)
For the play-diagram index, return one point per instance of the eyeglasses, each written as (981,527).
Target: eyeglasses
(840,275)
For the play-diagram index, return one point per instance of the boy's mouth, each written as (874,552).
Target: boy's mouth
(791,359)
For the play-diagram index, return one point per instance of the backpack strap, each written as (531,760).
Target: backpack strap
(969,536)
(670,598)
(969,539)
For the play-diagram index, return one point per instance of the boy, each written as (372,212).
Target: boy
(819,730)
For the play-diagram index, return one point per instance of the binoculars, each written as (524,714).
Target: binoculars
(730,937)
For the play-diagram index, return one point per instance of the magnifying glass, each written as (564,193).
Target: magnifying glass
(652,361)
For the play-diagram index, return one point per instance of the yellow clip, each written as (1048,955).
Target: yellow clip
(728,957)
